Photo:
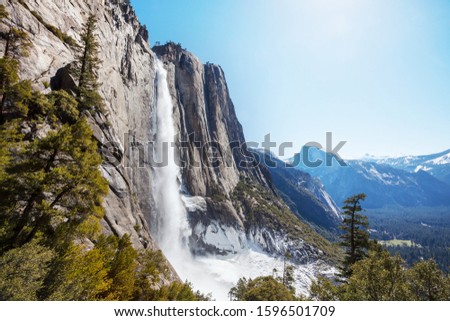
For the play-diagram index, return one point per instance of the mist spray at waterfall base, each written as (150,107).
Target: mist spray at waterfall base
(215,275)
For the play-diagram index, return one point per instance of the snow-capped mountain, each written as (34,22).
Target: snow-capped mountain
(437,164)
(395,182)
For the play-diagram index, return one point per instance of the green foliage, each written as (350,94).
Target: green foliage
(264,288)
(428,227)
(19,97)
(86,66)
(324,289)
(65,106)
(79,274)
(123,270)
(151,266)
(54,186)
(382,277)
(113,270)
(355,237)
(151,270)
(177,291)
(379,277)
(288,272)
(237,293)
(17,43)
(38,105)
(13,91)
(9,73)
(428,282)
(3,13)
(54,108)
(8,138)
(22,271)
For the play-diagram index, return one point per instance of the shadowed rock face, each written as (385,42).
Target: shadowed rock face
(224,218)
(304,194)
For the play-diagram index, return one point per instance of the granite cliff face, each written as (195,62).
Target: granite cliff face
(127,77)
(229,197)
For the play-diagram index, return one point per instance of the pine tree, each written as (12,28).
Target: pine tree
(428,283)
(383,277)
(324,289)
(264,288)
(151,267)
(23,271)
(54,187)
(378,277)
(78,274)
(86,66)
(17,41)
(123,270)
(355,238)
(65,106)
(17,45)
(3,13)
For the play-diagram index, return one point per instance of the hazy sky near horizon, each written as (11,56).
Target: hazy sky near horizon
(376,73)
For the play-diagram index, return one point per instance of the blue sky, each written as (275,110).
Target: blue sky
(376,73)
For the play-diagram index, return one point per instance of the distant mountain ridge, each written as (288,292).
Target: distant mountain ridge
(304,194)
(437,164)
(387,182)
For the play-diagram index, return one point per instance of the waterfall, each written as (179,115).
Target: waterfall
(173,229)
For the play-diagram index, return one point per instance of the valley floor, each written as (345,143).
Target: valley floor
(424,230)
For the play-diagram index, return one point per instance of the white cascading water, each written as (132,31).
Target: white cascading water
(173,228)
(215,275)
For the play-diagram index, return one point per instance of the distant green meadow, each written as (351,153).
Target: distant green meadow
(395,242)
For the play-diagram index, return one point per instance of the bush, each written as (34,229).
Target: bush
(264,288)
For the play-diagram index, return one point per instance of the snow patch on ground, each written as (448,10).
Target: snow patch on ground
(227,239)
(194,203)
